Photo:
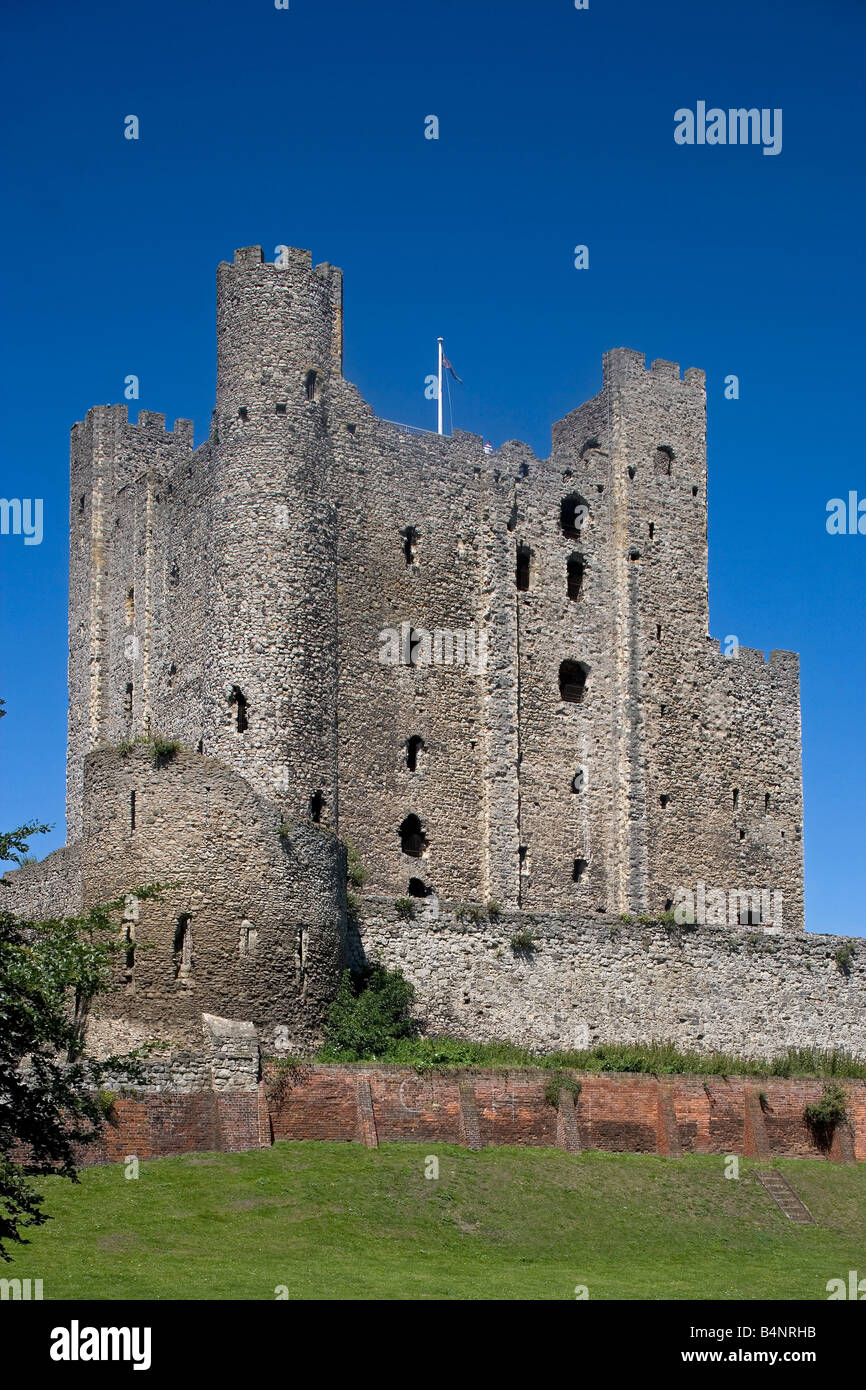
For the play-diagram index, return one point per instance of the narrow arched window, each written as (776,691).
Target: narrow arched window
(317,806)
(414,748)
(301,948)
(521,574)
(249,938)
(183,947)
(409,537)
(238,702)
(310,383)
(413,841)
(129,953)
(573,512)
(664,460)
(572,681)
(575,570)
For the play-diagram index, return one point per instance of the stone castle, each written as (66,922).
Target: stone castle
(488,673)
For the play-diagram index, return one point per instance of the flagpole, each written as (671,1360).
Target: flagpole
(439,340)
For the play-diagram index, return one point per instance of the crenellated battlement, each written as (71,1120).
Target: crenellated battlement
(625,365)
(755,658)
(151,421)
(297,257)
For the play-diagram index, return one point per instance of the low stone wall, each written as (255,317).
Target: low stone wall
(183,1102)
(49,888)
(743,990)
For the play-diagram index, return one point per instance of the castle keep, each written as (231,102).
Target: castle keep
(489,673)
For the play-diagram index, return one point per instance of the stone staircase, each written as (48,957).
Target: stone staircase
(783,1194)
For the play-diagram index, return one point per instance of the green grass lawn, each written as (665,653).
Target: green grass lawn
(340,1221)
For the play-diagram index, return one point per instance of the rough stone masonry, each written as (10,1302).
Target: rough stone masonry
(489,673)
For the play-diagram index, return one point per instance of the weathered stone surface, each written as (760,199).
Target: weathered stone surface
(738,990)
(264,911)
(238,598)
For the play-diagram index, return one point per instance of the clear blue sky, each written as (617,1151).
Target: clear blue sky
(306,126)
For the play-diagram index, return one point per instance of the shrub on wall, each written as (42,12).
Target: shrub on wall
(286,1074)
(824,1115)
(369,1016)
(164,749)
(844,958)
(560,1081)
(524,940)
(356,873)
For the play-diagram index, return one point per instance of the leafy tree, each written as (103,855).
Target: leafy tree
(369,1015)
(49,1089)
(14,844)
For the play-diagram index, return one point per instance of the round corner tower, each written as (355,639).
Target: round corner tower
(270,708)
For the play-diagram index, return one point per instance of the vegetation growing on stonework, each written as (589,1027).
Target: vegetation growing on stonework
(356,872)
(471,912)
(369,1016)
(164,749)
(524,940)
(824,1115)
(654,1059)
(665,919)
(844,958)
(560,1081)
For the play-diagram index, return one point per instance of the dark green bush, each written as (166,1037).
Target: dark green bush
(561,1081)
(164,749)
(844,958)
(356,873)
(823,1115)
(524,940)
(369,1016)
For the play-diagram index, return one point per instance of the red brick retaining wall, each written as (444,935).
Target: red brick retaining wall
(371,1105)
(614,1112)
(156,1125)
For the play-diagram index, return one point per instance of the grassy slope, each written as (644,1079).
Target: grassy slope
(338,1221)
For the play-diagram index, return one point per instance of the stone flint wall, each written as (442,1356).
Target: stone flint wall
(741,990)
